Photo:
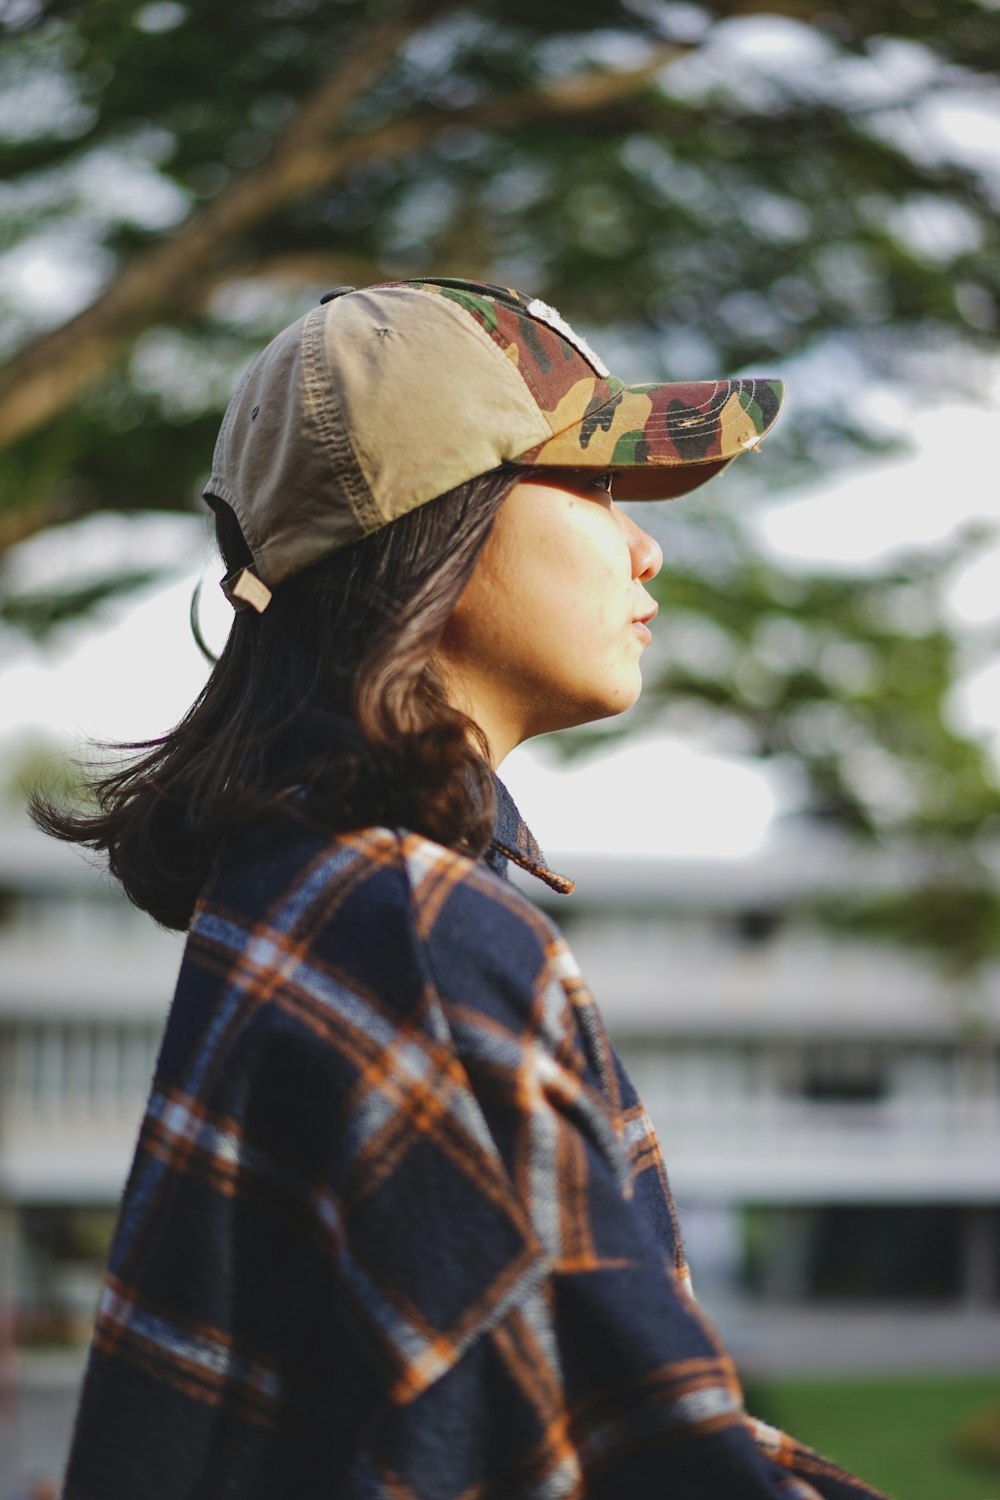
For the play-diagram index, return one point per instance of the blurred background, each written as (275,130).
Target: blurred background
(787,853)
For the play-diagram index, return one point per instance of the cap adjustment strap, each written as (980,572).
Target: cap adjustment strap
(244,590)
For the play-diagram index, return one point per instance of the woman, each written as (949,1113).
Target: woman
(397,1224)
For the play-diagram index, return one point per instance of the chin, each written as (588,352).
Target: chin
(609,705)
(566,706)
(626,693)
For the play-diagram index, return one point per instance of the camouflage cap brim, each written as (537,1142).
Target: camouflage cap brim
(661,440)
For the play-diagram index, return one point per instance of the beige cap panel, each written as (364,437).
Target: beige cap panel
(275,465)
(413,441)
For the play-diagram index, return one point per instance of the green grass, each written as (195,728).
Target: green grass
(896,1432)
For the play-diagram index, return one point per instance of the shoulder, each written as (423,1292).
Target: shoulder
(462,904)
(500,967)
(293,880)
(377,890)
(337,944)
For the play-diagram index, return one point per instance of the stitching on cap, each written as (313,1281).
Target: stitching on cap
(725,390)
(220,488)
(333,431)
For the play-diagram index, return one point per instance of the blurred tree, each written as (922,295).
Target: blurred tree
(641,164)
(705,188)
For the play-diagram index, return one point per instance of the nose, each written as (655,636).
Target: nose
(646,552)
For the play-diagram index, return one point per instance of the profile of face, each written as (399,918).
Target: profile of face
(547,632)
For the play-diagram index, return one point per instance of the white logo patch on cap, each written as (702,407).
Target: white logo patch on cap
(546,314)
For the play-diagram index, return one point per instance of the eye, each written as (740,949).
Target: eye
(580,480)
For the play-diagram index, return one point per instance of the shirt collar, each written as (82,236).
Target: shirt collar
(514,840)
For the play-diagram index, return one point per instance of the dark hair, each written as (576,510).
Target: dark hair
(330,691)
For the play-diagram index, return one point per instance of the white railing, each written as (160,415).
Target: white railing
(790,1150)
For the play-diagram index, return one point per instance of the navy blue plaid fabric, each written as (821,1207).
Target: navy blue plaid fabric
(397,1226)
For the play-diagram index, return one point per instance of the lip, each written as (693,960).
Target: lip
(649,615)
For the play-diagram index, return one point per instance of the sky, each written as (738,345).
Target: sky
(133,671)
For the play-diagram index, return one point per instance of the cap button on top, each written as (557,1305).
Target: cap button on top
(338,291)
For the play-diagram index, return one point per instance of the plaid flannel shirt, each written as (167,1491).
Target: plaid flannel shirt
(397,1224)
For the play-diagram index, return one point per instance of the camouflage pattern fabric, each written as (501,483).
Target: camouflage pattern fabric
(597,421)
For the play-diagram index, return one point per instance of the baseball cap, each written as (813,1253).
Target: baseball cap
(384,397)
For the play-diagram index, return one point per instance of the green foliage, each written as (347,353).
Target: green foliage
(844,683)
(766,211)
(726,211)
(39,614)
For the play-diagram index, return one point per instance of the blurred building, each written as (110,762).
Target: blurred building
(85,982)
(829,1111)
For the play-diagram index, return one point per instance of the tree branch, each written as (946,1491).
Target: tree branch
(46,377)
(582,93)
(20,522)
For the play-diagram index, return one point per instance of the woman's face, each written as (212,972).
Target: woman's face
(545,635)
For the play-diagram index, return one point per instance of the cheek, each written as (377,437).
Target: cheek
(591,597)
(571,639)
(581,567)
(548,603)
(557,612)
